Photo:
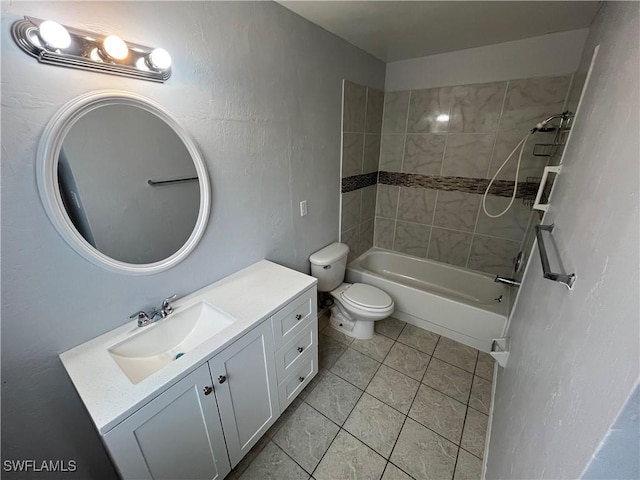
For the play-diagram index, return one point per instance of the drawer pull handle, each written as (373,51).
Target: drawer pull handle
(300,349)
(298,316)
(301,379)
(208,389)
(222,379)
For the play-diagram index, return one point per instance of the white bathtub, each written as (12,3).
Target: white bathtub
(451,301)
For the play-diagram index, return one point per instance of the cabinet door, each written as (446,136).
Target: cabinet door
(244,376)
(176,435)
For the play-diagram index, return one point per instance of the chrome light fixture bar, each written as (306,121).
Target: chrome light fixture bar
(55,44)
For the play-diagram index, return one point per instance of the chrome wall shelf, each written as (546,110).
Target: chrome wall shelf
(566,279)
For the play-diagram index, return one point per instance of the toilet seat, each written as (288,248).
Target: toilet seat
(366,297)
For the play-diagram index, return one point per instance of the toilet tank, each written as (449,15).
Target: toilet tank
(329,266)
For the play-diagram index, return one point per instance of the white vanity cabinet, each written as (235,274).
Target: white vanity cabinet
(176,435)
(180,433)
(295,331)
(244,381)
(202,426)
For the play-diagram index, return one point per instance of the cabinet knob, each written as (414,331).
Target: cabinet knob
(300,349)
(298,316)
(301,379)
(222,379)
(208,389)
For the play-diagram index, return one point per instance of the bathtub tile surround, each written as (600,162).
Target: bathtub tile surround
(361,127)
(390,426)
(503,188)
(439,149)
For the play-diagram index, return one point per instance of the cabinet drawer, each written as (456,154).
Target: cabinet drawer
(289,356)
(294,317)
(300,378)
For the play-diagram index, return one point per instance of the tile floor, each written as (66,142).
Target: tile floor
(407,404)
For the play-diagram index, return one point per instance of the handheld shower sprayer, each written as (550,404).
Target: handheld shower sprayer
(540,127)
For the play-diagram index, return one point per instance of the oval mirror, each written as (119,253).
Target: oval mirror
(123,183)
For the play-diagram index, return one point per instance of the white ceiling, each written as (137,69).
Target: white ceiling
(398,30)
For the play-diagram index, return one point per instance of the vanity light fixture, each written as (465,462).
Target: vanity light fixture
(64,46)
(54,35)
(115,47)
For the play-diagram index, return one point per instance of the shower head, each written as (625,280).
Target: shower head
(541,127)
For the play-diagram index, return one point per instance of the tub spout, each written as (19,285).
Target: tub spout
(507,281)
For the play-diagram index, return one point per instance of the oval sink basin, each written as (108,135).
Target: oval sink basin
(162,342)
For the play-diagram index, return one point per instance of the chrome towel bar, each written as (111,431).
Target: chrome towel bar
(175,180)
(566,279)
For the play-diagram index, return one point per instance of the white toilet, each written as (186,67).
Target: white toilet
(356,306)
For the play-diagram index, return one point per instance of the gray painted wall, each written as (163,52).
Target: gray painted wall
(574,355)
(617,458)
(259,89)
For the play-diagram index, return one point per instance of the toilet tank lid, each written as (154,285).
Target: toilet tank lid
(329,254)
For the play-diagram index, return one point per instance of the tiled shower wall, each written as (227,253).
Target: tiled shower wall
(446,143)
(361,126)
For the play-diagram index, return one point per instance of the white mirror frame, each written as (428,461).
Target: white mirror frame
(47,178)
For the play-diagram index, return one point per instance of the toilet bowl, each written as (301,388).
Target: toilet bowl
(356,306)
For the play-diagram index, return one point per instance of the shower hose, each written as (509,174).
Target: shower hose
(521,144)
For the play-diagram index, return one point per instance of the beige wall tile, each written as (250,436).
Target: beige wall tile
(355,97)
(416,205)
(423,154)
(428,110)
(352,153)
(468,155)
(396,106)
(476,108)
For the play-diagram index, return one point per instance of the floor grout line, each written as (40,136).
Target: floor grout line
(363,391)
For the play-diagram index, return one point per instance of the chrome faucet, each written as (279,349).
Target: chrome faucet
(507,281)
(145,318)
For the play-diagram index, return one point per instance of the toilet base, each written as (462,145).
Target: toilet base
(360,329)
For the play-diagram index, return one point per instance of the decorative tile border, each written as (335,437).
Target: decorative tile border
(356,182)
(502,188)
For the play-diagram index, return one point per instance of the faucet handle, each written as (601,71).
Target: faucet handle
(166,304)
(142,317)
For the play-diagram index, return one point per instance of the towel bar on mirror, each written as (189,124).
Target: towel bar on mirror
(566,279)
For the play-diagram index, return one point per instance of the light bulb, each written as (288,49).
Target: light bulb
(142,65)
(94,55)
(115,47)
(443,117)
(160,59)
(54,34)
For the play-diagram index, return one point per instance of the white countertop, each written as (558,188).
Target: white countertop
(249,296)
